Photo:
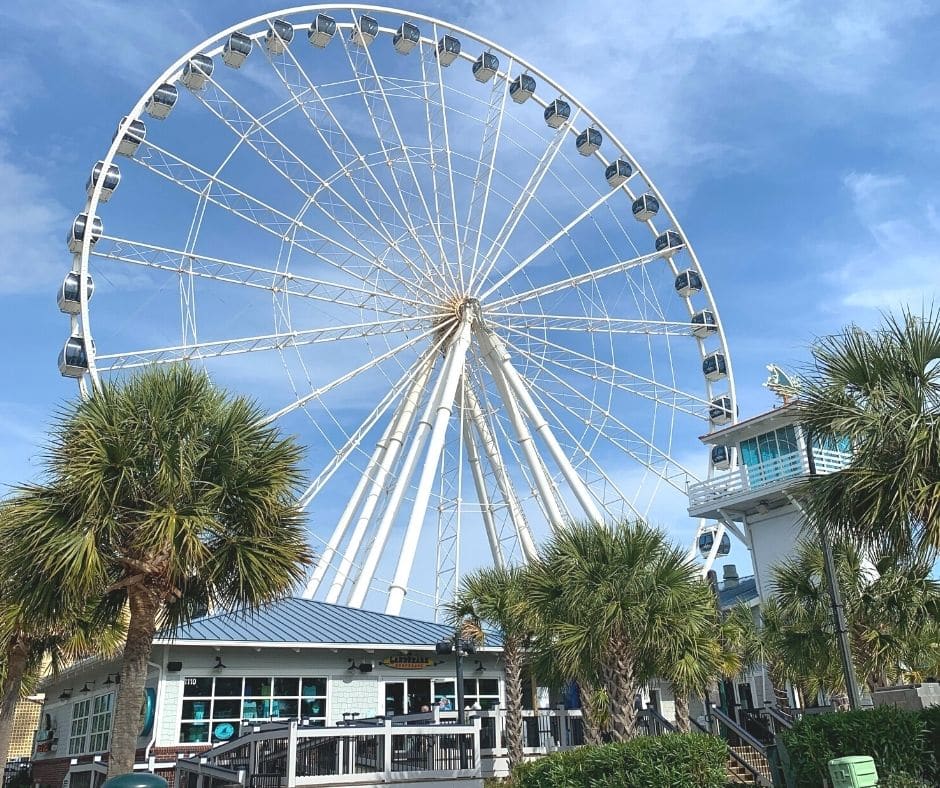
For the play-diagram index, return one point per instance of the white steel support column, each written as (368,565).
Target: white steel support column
(491,448)
(524,436)
(387,451)
(457,356)
(479,482)
(498,354)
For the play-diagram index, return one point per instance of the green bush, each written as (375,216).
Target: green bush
(931,719)
(679,760)
(893,737)
(901,780)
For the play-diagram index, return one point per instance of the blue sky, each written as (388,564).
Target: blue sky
(796,141)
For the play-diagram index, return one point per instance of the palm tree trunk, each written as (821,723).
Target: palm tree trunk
(622,688)
(593,730)
(10,695)
(513,656)
(144,603)
(682,711)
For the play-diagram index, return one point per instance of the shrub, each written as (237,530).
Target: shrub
(679,760)
(901,780)
(893,737)
(931,719)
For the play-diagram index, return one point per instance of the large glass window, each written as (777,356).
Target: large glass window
(79,730)
(101,722)
(215,708)
(482,691)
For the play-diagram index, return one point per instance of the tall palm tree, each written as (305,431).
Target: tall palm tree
(495,597)
(168,496)
(621,595)
(880,391)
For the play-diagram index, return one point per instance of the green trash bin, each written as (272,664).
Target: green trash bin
(853,771)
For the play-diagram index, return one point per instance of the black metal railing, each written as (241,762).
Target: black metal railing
(738,738)
(651,723)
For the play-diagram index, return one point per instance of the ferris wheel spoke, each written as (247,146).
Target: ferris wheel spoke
(522,203)
(336,139)
(678,476)
(230,347)
(590,324)
(479,483)
(377,117)
(176,261)
(578,279)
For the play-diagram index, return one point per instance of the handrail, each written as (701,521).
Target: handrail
(778,717)
(752,770)
(661,722)
(737,729)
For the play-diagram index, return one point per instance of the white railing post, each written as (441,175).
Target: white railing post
(499,722)
(563,720)
(387,735)
(477,762)
(292,755)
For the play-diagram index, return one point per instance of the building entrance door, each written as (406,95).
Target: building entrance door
(407,697)
(394,698)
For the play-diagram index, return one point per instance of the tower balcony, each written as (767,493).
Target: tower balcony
(748,486)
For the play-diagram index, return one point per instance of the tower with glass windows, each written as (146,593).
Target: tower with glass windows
(753,496)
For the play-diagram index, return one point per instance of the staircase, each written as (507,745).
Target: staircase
(754,758)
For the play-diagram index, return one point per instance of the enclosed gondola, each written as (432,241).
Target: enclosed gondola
(109,182)
(618,172)
(322,30)
(669,240)
(721,458)
(70,293)
(704,323)
(706,543)
(719,412)
(364,31)
(161,103)
(196,71)
(133,136)
(73,361)
(588,141)
(714,366)
(485,67)
(448,48)
(522,88)
(406,38)
(279,35)
(557,113)
(76,234)
(236,49)
(645,207)
(688,283)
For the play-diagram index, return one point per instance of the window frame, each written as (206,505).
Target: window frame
(83,717)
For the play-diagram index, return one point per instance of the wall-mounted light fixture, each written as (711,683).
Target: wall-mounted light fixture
(219,664)
(110,681)
(479,668)
(86,689)
(66,694)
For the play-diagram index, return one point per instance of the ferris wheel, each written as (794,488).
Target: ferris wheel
(425,257)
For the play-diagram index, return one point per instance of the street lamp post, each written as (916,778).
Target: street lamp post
(460,648)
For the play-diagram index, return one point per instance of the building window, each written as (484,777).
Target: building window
(482,691)
(79,730)
(771,456)
(215,708)
(102,708)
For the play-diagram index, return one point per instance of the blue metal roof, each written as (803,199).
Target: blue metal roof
(744,591)
(296,620)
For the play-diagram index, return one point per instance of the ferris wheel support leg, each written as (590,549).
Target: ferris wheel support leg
(399,428)
(443,410)
(498,355)
(486,506)
(491,448)
(542,483)
(418,439)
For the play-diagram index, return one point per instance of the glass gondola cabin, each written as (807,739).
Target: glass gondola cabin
(364,31)
(109,182)
(322,30)
(236,49)
(448,48)
(721,458)
(557,113)
(406,38)
(645,207)
(522,88)
(132,138)
(706,543)
(279,36)
(688,283)
(719,412)
(485,67)
(618,172)
(196,71)
(69,293)
(668,240)
(704,323)
(714,366)
(161,103)
(73,361)
(588,141)
(76,234)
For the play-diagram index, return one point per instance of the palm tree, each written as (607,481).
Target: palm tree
(616,597)
(879,391)
(495,597)
(168,496)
